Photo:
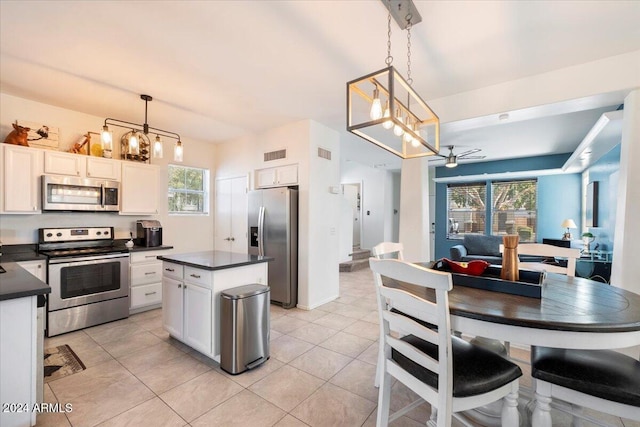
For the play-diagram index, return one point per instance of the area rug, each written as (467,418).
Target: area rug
(59,362)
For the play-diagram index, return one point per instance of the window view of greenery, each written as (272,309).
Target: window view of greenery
(466,209)
(188,190)
(513,209)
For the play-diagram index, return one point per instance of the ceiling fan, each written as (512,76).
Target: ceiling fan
(451,160)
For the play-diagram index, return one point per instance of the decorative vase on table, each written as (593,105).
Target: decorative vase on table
(510,258)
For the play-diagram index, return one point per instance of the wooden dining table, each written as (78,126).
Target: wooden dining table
(573,312)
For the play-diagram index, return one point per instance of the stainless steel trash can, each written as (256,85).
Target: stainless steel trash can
(244,327)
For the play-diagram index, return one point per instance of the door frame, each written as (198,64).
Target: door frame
(359,185)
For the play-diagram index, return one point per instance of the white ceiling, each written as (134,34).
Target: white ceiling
(221,69)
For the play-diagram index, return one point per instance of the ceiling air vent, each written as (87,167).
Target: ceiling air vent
(275,155)
(325,154)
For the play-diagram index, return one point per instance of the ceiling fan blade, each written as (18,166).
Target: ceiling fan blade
(466,153)
(473,157)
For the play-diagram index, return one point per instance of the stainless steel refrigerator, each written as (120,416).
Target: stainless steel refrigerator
(273,231)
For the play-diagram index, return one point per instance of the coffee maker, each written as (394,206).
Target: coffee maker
(148,233)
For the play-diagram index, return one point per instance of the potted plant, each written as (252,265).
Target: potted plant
(587,238)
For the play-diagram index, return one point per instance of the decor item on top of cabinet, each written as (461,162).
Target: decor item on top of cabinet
(84,146)
(38,134)
(18,136)
(136,141)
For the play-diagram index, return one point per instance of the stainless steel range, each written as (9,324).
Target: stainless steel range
(88,276)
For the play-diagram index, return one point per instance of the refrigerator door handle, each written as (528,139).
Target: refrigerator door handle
(261,231)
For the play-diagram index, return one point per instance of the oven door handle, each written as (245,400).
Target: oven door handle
(76,260)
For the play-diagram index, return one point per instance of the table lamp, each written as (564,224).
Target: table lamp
(568,223)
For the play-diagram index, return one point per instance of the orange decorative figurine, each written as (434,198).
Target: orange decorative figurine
(18,136)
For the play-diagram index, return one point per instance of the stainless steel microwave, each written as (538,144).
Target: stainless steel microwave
(69,193)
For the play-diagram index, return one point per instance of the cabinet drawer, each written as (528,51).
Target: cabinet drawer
(170,269)
(198,276)
(146,295)
(147,256)
(142,274)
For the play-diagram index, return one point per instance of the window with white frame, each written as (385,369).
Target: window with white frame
(188,190)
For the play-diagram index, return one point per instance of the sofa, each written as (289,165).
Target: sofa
(483,247)
(478,246)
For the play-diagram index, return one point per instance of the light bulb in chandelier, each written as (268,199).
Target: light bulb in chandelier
(106,137)
(177,151)
(376,107)
(397,129)
(415,142)
(157,148)
(407,137)
(134,144)
(387,124)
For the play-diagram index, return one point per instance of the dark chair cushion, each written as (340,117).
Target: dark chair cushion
(475,370)
(601,373)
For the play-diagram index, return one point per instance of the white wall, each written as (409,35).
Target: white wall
(414,210)
(378,201)
(186,234)
(318,210)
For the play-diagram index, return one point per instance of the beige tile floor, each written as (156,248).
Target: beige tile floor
(320,373)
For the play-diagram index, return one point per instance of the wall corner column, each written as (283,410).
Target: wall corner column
(414,210)
(625,270)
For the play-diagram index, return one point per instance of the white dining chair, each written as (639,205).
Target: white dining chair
(549,251)
(388,250)
(420,351)
(604,380)
(381,251)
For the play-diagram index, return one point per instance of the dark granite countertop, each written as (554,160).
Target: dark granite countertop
(215,260)
(16,282)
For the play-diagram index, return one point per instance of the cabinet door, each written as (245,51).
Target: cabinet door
(197,317)
(21,180)
(266,177)
(139,189)
(37,268)
(231,215)
(172,306)
(103,168)
(287,175)
(64,163)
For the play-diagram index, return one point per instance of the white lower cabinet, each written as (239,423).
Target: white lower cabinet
(190,301)
(145,280)
(197,317)
(37,268)
(172,303)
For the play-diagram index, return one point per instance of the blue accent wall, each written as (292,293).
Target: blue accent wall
(605,171)
(558,195)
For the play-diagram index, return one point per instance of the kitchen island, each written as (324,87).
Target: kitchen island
(191,287)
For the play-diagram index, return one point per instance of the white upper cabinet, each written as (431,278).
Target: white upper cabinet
(139,189)
(98,167)
(22,168)
(61,163)
(277,176)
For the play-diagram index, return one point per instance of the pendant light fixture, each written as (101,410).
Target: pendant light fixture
(406,128)
(136,145)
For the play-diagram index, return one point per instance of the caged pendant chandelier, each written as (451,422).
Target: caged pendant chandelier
(135,144)
(383,107)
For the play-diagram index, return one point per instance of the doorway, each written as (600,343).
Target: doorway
(353,193)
